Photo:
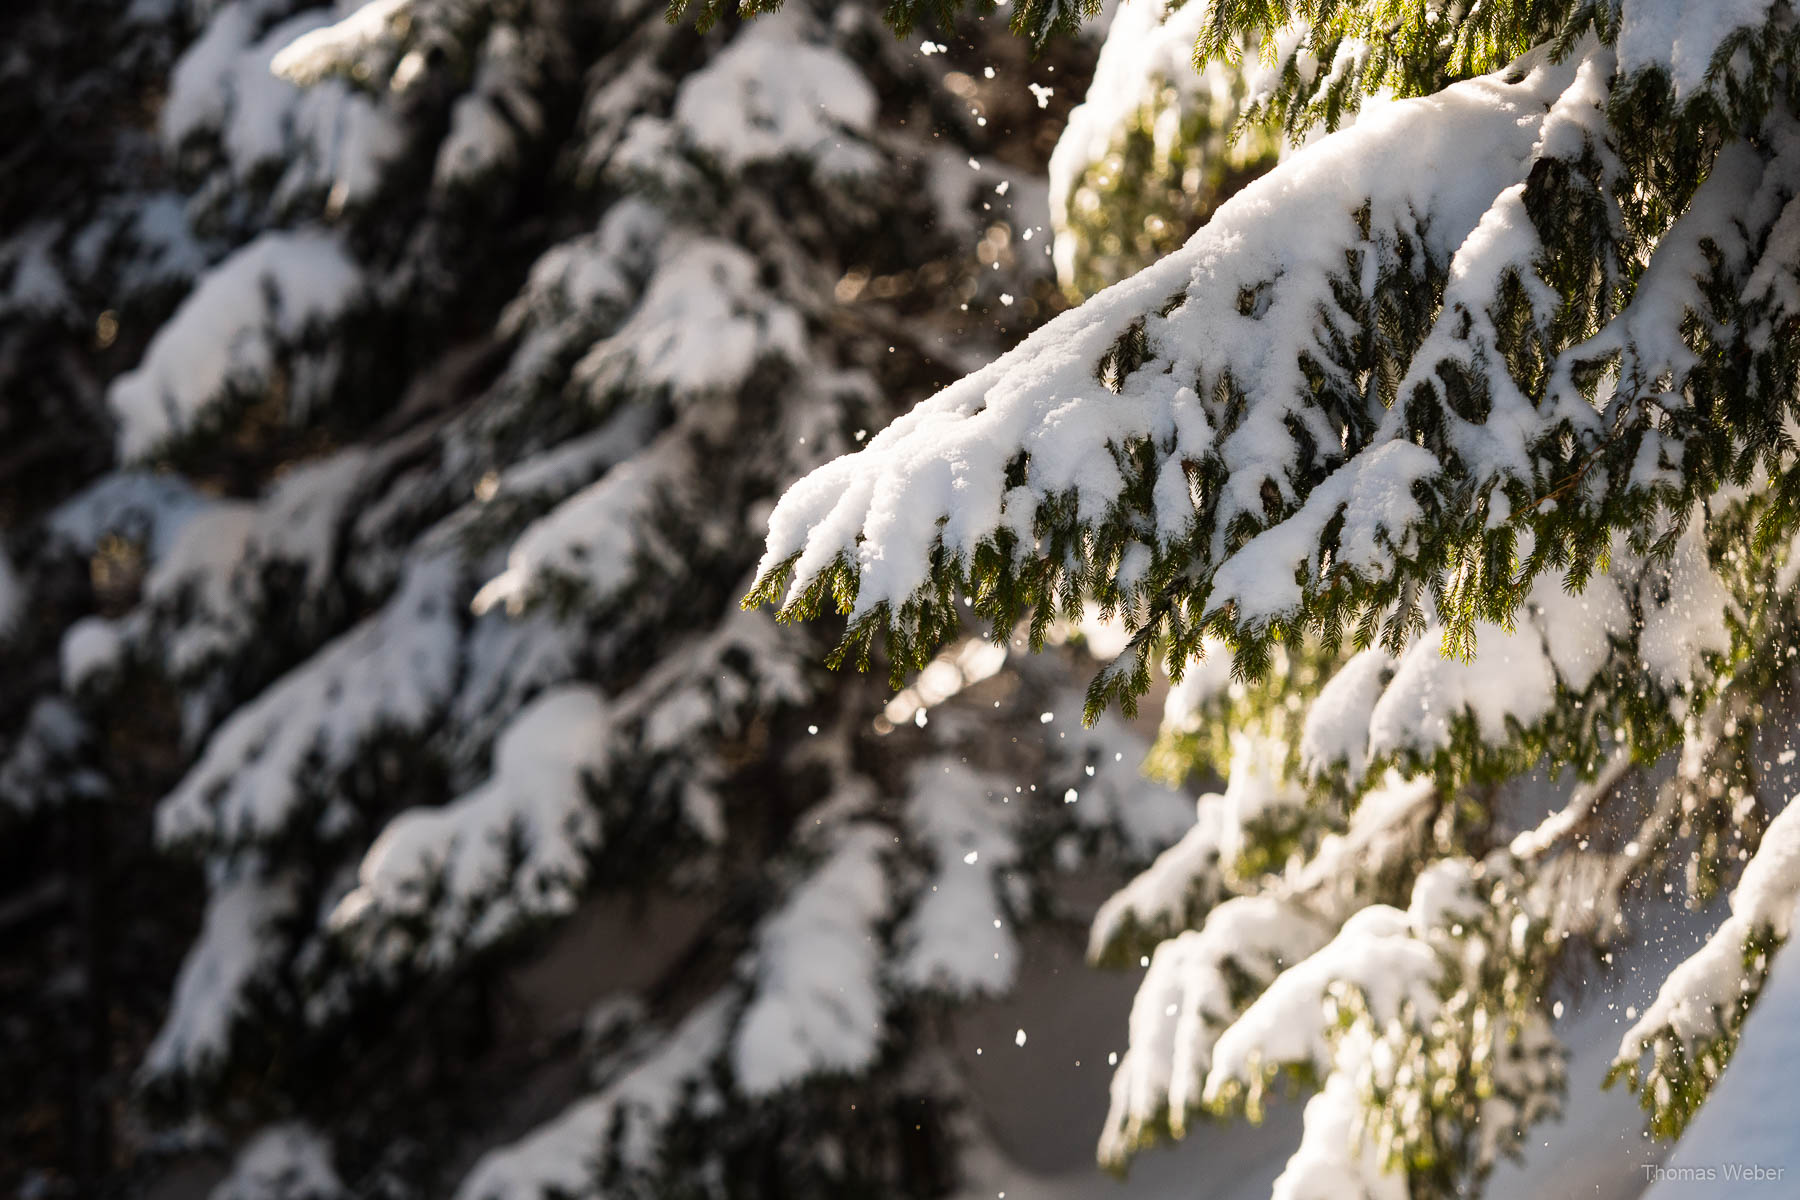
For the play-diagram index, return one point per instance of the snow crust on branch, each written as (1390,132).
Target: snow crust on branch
(818,1005)
(592,538)
(1253,306)
(559,1158)
(319,140)
(1145,75)
(702,324)
(229,336)
(958,937)
(1379,952)
(237,944)
(289,1161)
(1187,1000)
(774,94)
(396,670)
(1706,996)
(473,869)
(307,59)
(1683,38)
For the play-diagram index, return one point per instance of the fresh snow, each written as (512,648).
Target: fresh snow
(773,94)
(396,670)
(592,538)
(701,325)
(1695,994)
(290,1161)
(959,938)
(817,1006)
(90,647)
(1379,951)
(1434,166)
(1184,880)
(1186,1003)
(1682,37)
(228,336)
(1749,1118)
(308,58)
(141,506)
(472,870)
(1148,53)
(559,1157)
(237,944)
(328,138)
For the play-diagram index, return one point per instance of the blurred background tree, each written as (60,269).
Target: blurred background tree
(1156,146)
(397,800)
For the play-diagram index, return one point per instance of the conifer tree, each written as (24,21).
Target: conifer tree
(1453,454)
(437,362)
(392,391)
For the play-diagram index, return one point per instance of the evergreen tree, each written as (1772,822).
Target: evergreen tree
(1154,148)
(391,395)
(413,379)
(1451,461)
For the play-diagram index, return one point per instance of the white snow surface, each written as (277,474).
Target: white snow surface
(773,94)
(1185,1004)
(298,521)
(593,271)
(1183,877)
(198,577)
(1749,1118)
(326,138)
(142,506)
(1149,47)
(1376,707)
(1379,951)
(481,139)
(90,647)
(53,735)
(560,1157)
(1336,1156)
(290,1161)
(36,287)
(703,323)
(511,849)
(1204,681)
(228,334)
(817,1005)
(203,556)
(307,59)
(1257,791)
(1336,729)
(236,944)
(1682,37)
(1383,833)
(394,671)
(1690,1000)
(958,937)
(592,538)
